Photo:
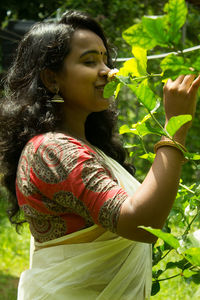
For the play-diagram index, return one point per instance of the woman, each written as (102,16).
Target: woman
(72,183)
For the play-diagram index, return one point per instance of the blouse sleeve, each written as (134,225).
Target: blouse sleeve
(68,173)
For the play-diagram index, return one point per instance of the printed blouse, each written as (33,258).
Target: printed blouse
(63,186)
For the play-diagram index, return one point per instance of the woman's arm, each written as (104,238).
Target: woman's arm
(151,203)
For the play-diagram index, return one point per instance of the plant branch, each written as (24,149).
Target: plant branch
(163,279)
(186,188)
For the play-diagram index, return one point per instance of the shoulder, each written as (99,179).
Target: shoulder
(54,138)
(55,141)
(52,149)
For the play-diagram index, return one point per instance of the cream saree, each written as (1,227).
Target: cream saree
(92,264)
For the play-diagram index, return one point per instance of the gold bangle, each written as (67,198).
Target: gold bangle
(178,146)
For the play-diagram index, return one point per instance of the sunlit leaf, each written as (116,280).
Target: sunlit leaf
(110,88)
(176,122)
(172,61)
(193,256)
(137,36)
(145,128)
(148,156)
(155,27)
(192,156)
(131,66)
(173,66)
(176,16)
(140,55)
(188,273)
(129,145)
(144,94)
(125,129)
(167,237)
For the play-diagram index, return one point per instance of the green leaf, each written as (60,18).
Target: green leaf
(110,88)
(167,237)
(129,67)
(123,79)
(196,63)
(129,145)
(192,156)
(125,129)
(136,67)
(137,36)
(173,66)
(188,273)
(176,16)
(171,265)
(148,156)
(144,94)
(145,128)
(172,61)
(118,89)
(155,288)
(140,55)
(176,122)
(155,27)
(157,273)
(181,264)
(193,256)
(196,278)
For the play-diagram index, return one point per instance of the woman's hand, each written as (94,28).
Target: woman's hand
(151,203)
(180,99)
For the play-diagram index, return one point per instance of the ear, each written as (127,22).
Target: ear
(48,78)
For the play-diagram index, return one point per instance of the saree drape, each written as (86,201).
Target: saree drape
(92,264)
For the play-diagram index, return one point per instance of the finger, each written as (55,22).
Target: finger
(195,85)
(179,79)
(187,81)
(169,81)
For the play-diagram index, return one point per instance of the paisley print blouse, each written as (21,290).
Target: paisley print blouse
(63,186)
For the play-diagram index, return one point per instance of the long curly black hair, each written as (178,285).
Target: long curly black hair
(27,110)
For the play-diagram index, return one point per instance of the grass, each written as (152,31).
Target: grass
(14,255)
(8,286)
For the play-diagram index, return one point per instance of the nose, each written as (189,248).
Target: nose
(104,70)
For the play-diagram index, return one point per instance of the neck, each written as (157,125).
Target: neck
(75,124)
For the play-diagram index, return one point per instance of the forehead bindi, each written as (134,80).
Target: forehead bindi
(85,40)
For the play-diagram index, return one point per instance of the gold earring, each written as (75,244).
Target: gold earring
(57,98)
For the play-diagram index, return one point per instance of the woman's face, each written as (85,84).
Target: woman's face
(84,74)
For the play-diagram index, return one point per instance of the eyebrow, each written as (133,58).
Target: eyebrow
(93,52)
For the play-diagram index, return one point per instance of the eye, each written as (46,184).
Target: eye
(90,62)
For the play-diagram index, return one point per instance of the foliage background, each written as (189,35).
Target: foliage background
(115,16)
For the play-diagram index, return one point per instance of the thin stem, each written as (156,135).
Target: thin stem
(165,254)
(163,279)
(143,145)
(186,188)
(190,224)
(158,123)
(145,76)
